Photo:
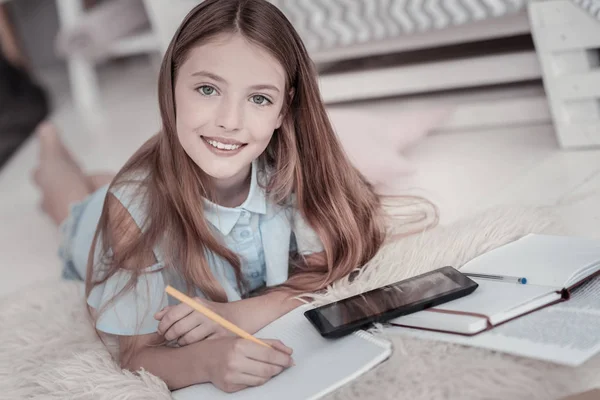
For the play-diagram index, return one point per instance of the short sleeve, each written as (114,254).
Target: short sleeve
(132,312)
(307,241)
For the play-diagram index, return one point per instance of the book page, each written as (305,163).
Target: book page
(543,259)
(566,333)
(321,364)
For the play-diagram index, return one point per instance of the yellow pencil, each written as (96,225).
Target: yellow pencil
(213,316)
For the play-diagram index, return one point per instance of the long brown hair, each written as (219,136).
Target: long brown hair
(304,157)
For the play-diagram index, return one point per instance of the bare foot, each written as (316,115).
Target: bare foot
(58,176)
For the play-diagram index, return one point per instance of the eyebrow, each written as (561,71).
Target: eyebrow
(222,80)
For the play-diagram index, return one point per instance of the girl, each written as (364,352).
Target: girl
(244,199)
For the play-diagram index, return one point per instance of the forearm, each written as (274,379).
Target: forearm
(268,307)
(177,366)
(264,309)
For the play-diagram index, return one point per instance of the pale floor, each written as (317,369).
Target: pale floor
(462,172)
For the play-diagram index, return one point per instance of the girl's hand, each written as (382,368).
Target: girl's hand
(235,364)
(187,326)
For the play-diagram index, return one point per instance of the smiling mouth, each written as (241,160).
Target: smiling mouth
(223,146)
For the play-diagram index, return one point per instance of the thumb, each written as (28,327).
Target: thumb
(279,346)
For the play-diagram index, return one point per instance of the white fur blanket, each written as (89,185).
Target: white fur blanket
(49,351)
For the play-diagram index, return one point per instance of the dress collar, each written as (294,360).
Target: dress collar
(225,218)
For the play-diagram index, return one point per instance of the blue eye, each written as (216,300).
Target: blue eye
(260,100)
(206,90)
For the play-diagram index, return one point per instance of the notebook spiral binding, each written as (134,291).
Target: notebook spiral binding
(375,340)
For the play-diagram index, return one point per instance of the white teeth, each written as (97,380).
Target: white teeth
(223,146)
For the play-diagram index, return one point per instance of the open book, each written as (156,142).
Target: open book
(558,269)
(322,365)
(553,266)
(566,333)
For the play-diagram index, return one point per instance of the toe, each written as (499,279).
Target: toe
(46,129)
(49,140)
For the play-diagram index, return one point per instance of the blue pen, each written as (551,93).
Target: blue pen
(513,279)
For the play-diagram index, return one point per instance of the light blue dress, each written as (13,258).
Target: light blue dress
(261,233)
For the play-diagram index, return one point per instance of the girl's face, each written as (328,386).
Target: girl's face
(229,95)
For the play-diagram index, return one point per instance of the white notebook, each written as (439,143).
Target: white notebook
(322,365)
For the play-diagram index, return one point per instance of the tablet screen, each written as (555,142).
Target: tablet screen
(388,298)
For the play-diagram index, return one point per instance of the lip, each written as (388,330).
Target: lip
(222,152)
(223,140)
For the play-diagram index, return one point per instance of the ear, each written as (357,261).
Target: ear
(285,109)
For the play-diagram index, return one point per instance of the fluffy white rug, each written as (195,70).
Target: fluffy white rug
(49,351)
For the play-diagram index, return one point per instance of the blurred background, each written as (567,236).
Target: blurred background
(470,103)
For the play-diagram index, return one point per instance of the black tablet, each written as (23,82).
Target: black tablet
(379,305)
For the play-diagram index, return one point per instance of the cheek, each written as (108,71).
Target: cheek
(187,109)
(263,127)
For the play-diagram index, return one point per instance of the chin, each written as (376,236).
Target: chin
(224,169)
(220,174)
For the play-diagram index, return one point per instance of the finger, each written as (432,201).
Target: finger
(265,354)
(232,388)
(158,316)
(278,345)
(165,323)
(164,310)
(201,332)
(215,335)
(183,326)
(173,315)
(261,370)
(248,380)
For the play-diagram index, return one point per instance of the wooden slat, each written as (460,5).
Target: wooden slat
(432,76)
(579,86)
(510,25)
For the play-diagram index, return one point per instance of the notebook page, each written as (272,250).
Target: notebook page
(321,364)
(543,259)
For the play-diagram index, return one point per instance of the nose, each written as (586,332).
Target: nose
(230,115)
